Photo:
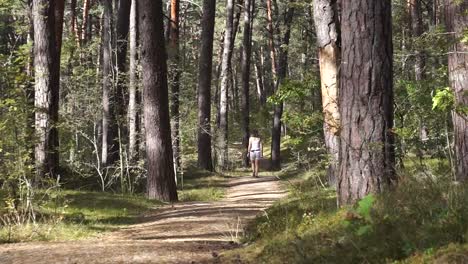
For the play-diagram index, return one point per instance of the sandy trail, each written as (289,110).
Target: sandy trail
(194,232)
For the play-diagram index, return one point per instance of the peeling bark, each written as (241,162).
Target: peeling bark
(327,27)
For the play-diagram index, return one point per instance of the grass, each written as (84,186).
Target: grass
(71,215)
(424,220)
(199,185)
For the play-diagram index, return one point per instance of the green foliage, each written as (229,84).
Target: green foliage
(424,214)
(443,100)
(70,215)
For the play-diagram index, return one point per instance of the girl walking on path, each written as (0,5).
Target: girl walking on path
(255,151)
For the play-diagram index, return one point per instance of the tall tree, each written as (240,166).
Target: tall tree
(259,75)
(457,23)
(133,123)
(160,180)
(74,22)
(175,80)
(280,68)
(47,16)
(204,85)
(366,100)
(84,25)
(109,152)
(245,64)
(416,31)
(122,29)
(328,42)
(222,133)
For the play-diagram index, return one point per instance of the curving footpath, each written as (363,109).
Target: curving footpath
(193,232)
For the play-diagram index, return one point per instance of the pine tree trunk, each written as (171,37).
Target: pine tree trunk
(84,25)
(327,28)
(160,182)
(47,78)
(245,64)
(457,22)
(204,85)
(109,125)
(123,26)
(175,82)
(282,69)
(366,100)
(416,31)
(133,123)
(54,107)
(259,77)
(222,134)
(74,22)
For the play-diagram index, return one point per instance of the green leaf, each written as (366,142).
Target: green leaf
(365,206)
(443,100)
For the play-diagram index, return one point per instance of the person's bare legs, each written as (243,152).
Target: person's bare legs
(252,162)
(256,167)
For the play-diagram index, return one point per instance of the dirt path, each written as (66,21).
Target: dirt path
(184,233)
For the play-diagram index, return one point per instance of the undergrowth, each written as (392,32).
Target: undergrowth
(425,218)
(70,215)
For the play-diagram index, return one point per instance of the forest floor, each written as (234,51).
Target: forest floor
(189,232)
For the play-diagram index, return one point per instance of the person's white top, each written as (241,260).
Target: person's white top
(255,143)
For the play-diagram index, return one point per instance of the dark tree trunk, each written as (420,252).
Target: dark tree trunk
(457,22)
(109,125)
(245,64)
(133,122)
(204,85)
(123,26)
(47,78)
(84,24)
(327,28)
(30,124)
(74,23)
(366,100)
(175,82)
(282,69)
(222,134)
(54,135)
(161,182)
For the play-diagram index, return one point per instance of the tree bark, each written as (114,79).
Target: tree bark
(204,85)
(327,28)
(281,73)
(416,31)
(222,134)
(123,26)
(457,23)
(175,82)
(245,64)
(259,76)
(366,100)
(161,182)
(110,148)
(46,87)
(84,24)
(133,123)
